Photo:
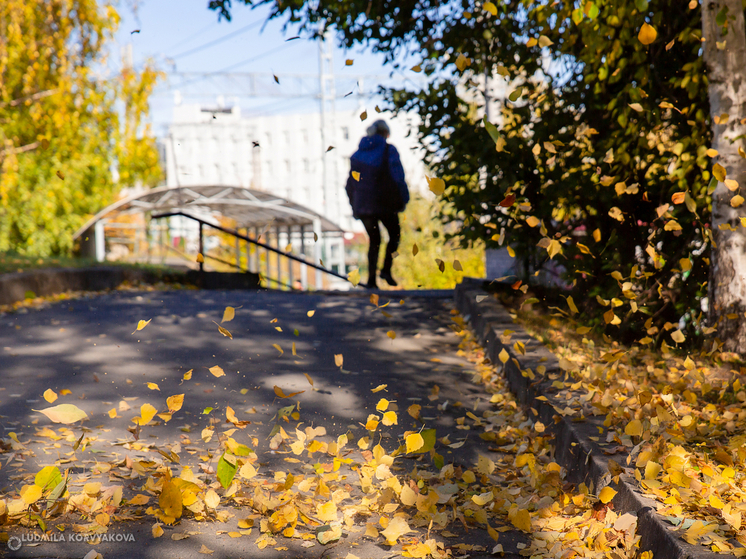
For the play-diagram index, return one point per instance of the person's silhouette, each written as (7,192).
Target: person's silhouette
(378,192)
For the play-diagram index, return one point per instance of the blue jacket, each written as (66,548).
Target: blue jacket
(374,193)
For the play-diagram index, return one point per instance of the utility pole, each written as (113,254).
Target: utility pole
(328,124)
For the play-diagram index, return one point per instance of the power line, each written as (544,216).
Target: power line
(192,37)
(219,40)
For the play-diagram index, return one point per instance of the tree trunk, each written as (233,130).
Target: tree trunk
(726,73)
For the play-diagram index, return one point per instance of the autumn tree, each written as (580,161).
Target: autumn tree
(61,134)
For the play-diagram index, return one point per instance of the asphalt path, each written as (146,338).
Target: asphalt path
(90,347)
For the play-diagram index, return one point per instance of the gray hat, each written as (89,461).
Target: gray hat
(379,127)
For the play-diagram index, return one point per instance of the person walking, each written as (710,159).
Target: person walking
(378,192)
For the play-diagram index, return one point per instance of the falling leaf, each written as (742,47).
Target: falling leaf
(416,68)
(338,359)
(678,337)
(217,371)
(508,201)
(490,7)
(348,62)
(175,402)
(188,375)
(437,186)
(200,258)
(64,413)
(457,266)
(228,314)
(356,175)
(50,395)
(415,250)
(647,34)
(363,115)
(678,197)
(147,412)
(391,334)
(379,388)
(545,41)
(223,331)
(277,80)
(354,277)
(532,42)
(309,314)
(636,107)
(462,62)
(142,324)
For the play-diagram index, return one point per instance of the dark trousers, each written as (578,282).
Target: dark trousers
(391,223)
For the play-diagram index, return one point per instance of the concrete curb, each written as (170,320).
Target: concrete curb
(52,281)
(584,459)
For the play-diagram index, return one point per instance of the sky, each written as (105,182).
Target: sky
(184,36)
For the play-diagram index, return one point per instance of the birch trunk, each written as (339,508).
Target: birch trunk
(726,74)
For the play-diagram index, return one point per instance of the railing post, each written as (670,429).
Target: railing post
(317,251)
(201,248)
(290,261)
(279,257)
(303,267)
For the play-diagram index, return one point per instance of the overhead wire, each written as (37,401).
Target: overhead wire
(191,37)
(218,40)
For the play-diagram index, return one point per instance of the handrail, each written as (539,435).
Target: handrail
(252,241)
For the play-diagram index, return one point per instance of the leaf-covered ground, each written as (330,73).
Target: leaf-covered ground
(676,418)
(232,428)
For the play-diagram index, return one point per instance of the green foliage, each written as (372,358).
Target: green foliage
(595,132)
(60,132)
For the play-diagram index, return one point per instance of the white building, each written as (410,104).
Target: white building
(282,154)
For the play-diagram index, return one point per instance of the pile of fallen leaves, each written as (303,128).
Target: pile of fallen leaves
(679,419)
(332,485)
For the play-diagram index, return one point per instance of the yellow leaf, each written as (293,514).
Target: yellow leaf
(503,356)
(532,221)
(331,535)
(309,379)
(139,500)
(647,34)
(389,418)
(719,171)
(391,334)
(382,405)
(571,304)
(379,388)
(170,500)
(247,471)
(278,348)
(327,512)
(731,184)
(462,62)
(142,324)
(228,314)
(636,107)
(483,498)
(356,175)
(511,252)
(363,116)
(64,413)
(485,465)
(147,412)
(280,394)
(223,331)
(204,550)
(188,375)
(522,520)
(437,186)
(157,531)
(175,402)
(457,265)
(339,359)
(606,495)
(736,201)
(678,337)
(113,413)
(545,41)
(50,395)
(153,386)
(200,258)
(31,493)
(397,527)
(416,68)
(348,62)
(217,371)
(212,499)
(712,152)
(490,7)
(354,277)
(414,442)
(633,428)
(532,42)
